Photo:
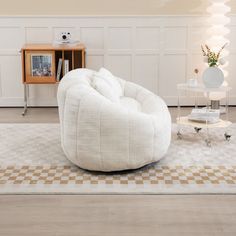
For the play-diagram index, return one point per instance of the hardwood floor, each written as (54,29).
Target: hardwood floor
(128,215)
(34,115)
(117,215)
(50,115)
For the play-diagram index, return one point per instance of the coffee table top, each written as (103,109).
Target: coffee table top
(185,121)
(202,89)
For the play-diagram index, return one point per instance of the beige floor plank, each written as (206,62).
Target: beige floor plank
(117,215)
(34,115)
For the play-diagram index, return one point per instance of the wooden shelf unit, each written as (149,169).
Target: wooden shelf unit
(75,54)
(40,64)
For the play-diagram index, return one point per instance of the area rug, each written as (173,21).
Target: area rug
(32,162)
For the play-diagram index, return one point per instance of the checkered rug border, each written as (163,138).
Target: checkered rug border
(154,175)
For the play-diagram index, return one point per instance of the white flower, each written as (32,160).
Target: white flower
(222,61)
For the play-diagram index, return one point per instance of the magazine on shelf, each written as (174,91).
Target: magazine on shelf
(205,115)
(59,67)
(66,66)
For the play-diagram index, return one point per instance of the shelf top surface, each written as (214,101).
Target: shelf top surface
(53,47)
(185,121)
(202,88)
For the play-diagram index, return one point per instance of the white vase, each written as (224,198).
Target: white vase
(192,82)
(213,77)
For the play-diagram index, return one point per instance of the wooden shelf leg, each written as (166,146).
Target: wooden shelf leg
(25,100)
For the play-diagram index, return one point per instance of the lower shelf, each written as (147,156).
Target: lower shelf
(185,121)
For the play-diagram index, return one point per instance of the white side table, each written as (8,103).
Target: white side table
(198,91)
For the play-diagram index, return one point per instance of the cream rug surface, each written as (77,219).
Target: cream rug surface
(32,162)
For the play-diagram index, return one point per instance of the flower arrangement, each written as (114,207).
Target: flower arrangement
(213,58)
(196,71)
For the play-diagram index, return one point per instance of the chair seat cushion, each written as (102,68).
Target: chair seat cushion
(130,104)
(107,84)
(102,87)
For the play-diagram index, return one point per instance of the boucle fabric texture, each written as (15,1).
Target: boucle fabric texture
(98,134)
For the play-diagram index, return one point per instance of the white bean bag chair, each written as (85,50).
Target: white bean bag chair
(109,124)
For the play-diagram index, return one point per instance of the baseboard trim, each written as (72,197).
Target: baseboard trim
(19,102)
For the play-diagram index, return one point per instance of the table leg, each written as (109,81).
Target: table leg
(179,135)
(208,142)
(196,100)
(208,139)
(227,135)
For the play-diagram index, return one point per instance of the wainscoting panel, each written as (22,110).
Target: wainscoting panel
(121,65)
(94,37)
(95,61)
(11,76)
(156,52)
(232,78)
(232,37)
(10,42)
(38,35)
(119,38)
(175,38)
(176,73)
(147,38)
(146,68)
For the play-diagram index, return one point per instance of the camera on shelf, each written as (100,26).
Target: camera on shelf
(65,37)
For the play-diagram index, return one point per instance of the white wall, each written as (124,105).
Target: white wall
(106,7)
(156,52)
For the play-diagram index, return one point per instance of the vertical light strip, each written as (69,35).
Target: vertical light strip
(218,31)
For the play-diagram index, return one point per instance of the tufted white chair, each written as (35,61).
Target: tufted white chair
(109,124)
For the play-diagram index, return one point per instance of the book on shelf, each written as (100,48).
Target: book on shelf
(205,115)
(59,67)
(66,66)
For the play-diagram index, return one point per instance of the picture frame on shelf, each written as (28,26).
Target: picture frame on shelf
(40,67)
